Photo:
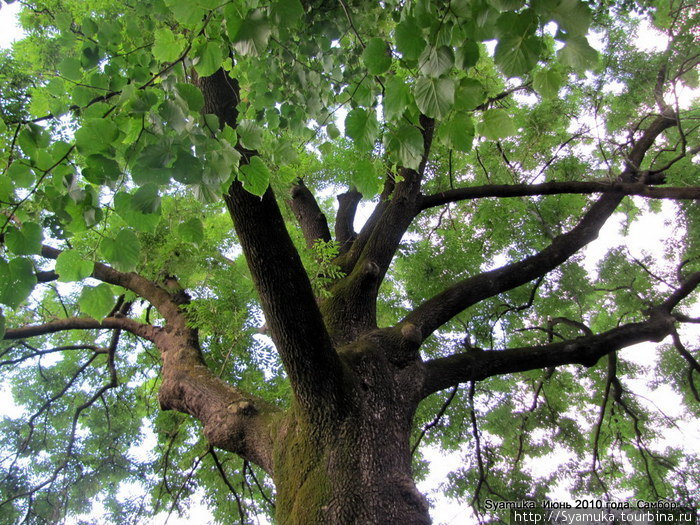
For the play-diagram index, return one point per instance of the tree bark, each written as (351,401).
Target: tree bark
(312,221)
(356,469)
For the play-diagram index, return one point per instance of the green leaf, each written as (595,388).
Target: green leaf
(397,97)
(96,136)
(189,14)
(123,252)
(376,56)
(17,280)
(255,176)
(39,105)
(458,132)
(467,55)
(210,58)
(71,69)
(253,35)
(146,199)
(436,61)
(516,56)
(208,4)
(425,13)
(143,222)
(333,131)
(97,301)
(516,24)
(100,170)
(364,178)
(166,47)
(25,241)
(234,19)
(578,54)
(288,13)
(21,174)
(191,230)
(191,95)
(285,152)
(71,266)
(362,127)
(496,124)
(2,324)
(206,193)
(547,82)
(470,94)
(187,169)
(32,138)
(434,96)
(153,163)
(7,190)
(406,146)
(409,39)
(250,134)
(573,16)
(507,5)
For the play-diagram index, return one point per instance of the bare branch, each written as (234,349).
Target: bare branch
(693,365)
(141,286)
(313,222)
(287,299)
(559,188)
(478,365)
(35,352)
(436,419)
(84,323)
(504,94)
(224,477)
(687,287)
(444,306)
(347,207)
(612,370)
(441,308)
(286,295)
(46,276)
(369,258)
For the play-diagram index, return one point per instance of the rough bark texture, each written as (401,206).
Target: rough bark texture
(356,468)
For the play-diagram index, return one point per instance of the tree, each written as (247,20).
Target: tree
(184,187)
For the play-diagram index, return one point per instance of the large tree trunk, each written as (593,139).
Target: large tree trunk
(355,468)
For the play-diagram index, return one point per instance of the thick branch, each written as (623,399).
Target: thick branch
(84,323)
(351,310)
(687,287)
(313,222)
(441,308)
(347,207)
(557,188)
(286,296)
(477,365)
(233,420)
(436,311)
(141,286)
(287,299)
(46,276)
(385,236)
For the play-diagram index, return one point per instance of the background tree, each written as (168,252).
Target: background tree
(411,185)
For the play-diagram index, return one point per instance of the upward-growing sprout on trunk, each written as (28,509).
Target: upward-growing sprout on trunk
(264,254)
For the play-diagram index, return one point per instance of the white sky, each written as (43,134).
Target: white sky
(646,235)
(9,30)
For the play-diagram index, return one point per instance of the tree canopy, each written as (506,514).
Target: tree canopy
(266,252)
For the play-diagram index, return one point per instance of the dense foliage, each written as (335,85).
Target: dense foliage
(496,124)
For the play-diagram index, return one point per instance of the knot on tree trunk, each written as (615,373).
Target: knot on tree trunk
(243,407)
(411,333)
